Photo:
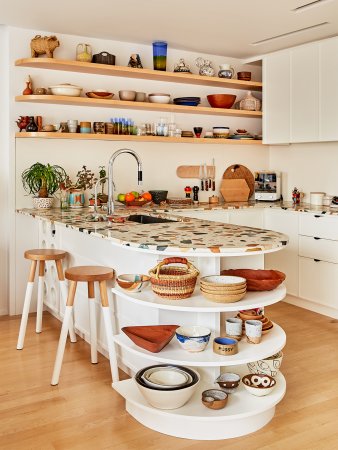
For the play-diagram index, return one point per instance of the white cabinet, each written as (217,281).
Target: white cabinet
(276,98)
(250,217)
(328,89)
(304,93)
(215,215)
(285,222)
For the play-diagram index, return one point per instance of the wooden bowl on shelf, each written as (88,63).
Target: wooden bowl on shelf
(258,280)
(221,100)
(100,95)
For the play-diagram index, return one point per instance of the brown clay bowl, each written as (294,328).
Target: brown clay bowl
(244,76)
(221,100)
(214,398)
(258,280)
(151,337)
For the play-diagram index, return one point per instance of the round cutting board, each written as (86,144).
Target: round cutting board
(238,171)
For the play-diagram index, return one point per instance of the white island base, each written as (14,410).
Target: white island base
(243,414)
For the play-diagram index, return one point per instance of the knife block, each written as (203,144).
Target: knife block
(235,190)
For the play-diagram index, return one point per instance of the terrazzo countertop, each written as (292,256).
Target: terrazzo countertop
(188,236)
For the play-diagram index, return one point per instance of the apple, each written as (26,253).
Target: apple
(135,194)
(121,197)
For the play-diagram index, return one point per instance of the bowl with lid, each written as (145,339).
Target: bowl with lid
(66,89)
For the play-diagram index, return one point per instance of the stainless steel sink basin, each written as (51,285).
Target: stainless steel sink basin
(144,219)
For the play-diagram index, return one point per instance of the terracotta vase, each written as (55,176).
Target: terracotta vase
(28,90)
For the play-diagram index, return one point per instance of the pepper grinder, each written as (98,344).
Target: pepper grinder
(195,190)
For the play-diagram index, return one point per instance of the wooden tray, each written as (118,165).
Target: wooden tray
(237,171)
(235,190)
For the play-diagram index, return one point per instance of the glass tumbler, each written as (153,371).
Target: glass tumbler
(160,55)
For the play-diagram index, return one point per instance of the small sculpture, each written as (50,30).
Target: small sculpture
(135,61)
(22,122)
(28,89)
(205,67)
(181,67)
(44,45)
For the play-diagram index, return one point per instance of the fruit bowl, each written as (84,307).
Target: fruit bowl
(137,202)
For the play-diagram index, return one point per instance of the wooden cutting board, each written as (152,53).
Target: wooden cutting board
(237,171)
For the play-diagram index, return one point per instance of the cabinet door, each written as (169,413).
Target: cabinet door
(328,86)
(285,260)
(252,217)
(214,216)
(276,98)
(305,93)
(318,282)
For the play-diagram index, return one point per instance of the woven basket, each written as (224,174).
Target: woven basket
(173,282)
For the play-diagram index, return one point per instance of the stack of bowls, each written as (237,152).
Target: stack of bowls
(187,101)
(167,386)
(252,314)
(222,288)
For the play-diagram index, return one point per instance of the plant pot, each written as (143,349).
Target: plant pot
(42,203)
(76,198)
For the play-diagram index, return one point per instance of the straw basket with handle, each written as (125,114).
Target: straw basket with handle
(173,282)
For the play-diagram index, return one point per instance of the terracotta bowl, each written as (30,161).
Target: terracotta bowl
(221,100)
(258,280)
(214,398)
(151,337)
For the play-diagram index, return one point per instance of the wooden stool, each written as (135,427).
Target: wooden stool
(89,274)
(42,255)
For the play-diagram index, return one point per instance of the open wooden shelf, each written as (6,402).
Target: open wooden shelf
(123,137)
(170,108)
(145,74)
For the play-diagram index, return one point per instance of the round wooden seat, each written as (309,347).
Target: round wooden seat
(45,254)
(89,273)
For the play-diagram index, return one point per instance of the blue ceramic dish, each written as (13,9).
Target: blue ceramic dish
(193,338)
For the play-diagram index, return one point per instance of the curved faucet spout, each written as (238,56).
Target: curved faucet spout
(110,204)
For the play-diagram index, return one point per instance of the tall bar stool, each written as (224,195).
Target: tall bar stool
(88,274)
(41,256)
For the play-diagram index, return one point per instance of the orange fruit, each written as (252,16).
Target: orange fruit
(129,197)
(146,196)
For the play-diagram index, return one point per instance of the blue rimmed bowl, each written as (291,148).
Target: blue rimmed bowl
(193,338)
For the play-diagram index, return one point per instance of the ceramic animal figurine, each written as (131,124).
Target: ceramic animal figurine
(135,61)
(205,67)
(181,67)
(44,45)
(22,122)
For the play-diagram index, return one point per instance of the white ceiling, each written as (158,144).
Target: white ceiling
(221,27)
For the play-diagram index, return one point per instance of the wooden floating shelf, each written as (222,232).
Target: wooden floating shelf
(145,74)
(119,137)
(170,108)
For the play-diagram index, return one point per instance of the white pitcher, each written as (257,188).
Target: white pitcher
(226,71)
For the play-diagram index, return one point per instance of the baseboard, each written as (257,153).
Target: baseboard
(311,306)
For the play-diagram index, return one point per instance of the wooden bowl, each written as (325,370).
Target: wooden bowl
(258,280)
(100,95)
(137,202)
(221,100)
(151,337)
(224,298)
(214,398)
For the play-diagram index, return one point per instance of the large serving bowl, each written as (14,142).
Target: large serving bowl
(166,377)
(193,338)
(66,89)
(258,384)
(267,366)
(159,98)
(169,398)
(132,282)
(258,280)
(221,100)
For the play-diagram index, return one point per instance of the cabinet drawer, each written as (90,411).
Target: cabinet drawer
(319,225)
(318,282)
(318,248)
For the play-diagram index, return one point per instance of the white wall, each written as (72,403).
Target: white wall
(309,167)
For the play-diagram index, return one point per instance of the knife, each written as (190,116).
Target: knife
(201,177)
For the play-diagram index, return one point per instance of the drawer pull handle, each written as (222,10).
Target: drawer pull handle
(316,260)
(317,238)
(317,217)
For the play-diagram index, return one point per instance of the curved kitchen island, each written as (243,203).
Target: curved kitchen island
(131,247)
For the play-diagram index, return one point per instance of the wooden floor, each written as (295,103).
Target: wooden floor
(84,412)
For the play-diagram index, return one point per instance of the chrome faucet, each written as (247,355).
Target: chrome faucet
(111,185)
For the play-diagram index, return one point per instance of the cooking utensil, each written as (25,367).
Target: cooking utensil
(206,180)
(237,171)
(213,174)
(201,171)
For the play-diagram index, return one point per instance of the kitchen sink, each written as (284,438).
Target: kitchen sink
(142,218)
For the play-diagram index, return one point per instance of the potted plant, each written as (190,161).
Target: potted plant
(101,195)
(85,180)
(43,181)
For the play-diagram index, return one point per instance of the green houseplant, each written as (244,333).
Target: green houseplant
(43,181)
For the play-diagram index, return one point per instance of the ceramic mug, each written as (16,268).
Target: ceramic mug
(253,331)
(72,126)
(140,97)
(233,327)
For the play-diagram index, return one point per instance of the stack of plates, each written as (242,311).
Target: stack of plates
(239,136)
(223,288)
(251,314)
(187,101)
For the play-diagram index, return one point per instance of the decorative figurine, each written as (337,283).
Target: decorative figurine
(22,122)
(135,61)
(31,126)
(44,45)
(28,89)
(205,67)
(187,191)
(295,196)
(226,71)
(181,67)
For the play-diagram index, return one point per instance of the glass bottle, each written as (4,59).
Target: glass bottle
(84,53)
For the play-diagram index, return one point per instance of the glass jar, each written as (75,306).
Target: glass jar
(84,52)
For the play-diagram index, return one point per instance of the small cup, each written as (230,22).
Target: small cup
(140,97)
(85,127)
(234,327)
(253,331)
(225,346)
(198,131)
(98,127)
(109,128)
(72,126)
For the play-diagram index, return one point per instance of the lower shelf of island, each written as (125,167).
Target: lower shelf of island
(243,414)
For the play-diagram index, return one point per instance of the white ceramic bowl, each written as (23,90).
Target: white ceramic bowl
(258,384)
(166,377)
(193,338)
(66,89)
(268,366)
(159,98)
(132,282)
(168,399)
(127,95)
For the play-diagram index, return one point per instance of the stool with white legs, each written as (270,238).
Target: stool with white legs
(88,274)
(41,256)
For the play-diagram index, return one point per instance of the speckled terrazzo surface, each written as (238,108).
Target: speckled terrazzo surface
(184,236)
